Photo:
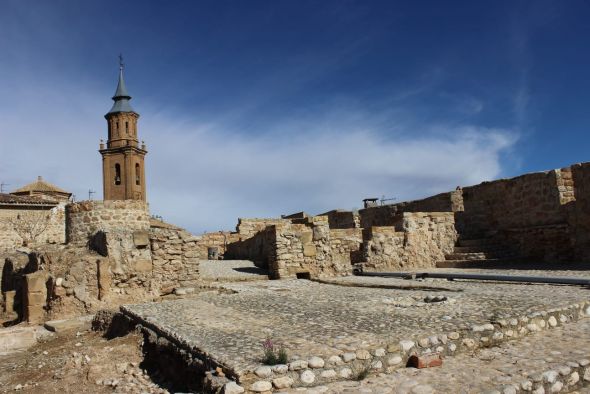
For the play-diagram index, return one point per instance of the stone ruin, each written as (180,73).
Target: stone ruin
(114,253)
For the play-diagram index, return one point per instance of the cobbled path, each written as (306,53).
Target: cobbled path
(506,368)
(230,270)
(313,319)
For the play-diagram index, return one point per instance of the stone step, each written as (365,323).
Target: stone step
(471,249)
(480,242)
(487,263)
(467,256)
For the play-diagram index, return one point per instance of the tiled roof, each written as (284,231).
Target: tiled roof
(24,200)
(40,186)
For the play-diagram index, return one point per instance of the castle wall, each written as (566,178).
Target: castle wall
(416,240)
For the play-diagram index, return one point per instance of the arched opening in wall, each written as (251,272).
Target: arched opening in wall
(137,176)
(127,128)
(117,174)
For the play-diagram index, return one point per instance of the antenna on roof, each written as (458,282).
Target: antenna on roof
(2,186)
(383,199)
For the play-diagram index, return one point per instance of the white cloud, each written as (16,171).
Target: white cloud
(205,176)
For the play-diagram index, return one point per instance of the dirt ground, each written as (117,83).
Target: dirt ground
(73,362)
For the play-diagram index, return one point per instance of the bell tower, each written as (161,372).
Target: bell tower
(123,171)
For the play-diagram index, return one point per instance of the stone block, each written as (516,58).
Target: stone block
(82,323)
(36,299)
(306,237)
(142,266)
(309,250)
(141,238)
(9,301)
(35,314)
(16,338)
(36,282)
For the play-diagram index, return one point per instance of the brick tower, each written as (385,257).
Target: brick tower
(123,172)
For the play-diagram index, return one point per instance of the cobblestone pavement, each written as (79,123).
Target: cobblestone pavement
(230,270)
(313,319)
(512,366)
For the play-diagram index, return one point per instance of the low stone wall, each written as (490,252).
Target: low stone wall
(51,221)
(416,240)
(86,218)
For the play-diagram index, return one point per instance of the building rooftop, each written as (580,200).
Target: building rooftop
(11,199)
(40,186)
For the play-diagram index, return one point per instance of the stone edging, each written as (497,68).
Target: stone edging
(317,370)
(568,376)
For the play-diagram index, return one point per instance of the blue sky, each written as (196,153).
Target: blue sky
(262,108)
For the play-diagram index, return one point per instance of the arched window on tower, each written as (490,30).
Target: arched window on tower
(117,174)
(137,175)
(127,128)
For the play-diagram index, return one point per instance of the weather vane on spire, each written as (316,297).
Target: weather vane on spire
(121,64)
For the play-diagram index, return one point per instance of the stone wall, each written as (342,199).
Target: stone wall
(314,250)
(539,216)
(52,221)
(176,254)
(526,201)
(247,228)
(259,248)
(339,219)
(387,215)
(86,218)
(416,240)
(579,211)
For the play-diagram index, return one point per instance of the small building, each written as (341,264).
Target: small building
(43,190)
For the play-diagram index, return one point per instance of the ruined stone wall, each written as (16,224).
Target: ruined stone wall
(388,215)
(523,202)
(247,228)
(416,240)
(579,211)
(342,219)
(86,218)
(52,220)
(254,240)
(175,255)
(314,249)
(218,240)
(260,248)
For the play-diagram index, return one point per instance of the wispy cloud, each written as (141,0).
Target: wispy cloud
(205,176)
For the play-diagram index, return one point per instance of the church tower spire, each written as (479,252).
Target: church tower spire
(123,172)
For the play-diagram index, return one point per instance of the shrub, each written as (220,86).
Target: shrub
(272,355)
